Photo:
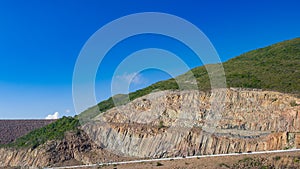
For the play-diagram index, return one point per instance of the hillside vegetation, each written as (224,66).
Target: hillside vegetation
(276,67)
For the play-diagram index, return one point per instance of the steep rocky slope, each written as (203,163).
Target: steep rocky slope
(74,149)
(174,123)
(177,123)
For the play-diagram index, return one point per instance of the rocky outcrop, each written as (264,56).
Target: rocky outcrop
(180,123)
(143,141)
(175,123)
(75,148)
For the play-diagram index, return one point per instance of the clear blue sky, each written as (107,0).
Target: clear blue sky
(40,41)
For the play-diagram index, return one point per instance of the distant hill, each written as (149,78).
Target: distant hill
(10,130)
(276,67)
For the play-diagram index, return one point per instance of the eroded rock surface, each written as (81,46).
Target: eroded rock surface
(74,149)
(175,123)
(179,123)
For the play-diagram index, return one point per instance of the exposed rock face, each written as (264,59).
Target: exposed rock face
(174,123)
(10,130)
(75,148)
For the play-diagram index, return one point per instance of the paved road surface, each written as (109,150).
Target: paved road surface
(174,158)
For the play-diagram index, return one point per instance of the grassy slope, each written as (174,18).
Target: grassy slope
(276,67)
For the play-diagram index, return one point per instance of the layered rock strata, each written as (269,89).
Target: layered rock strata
(175,123)
(180,123)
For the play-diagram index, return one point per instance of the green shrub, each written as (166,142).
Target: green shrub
(276,158)
(159,164)
(296,159)
(224,165)
(293,103)
(161,124)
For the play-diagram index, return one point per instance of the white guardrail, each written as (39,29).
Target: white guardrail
(172,158)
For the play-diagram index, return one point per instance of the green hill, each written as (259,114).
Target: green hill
(276,67)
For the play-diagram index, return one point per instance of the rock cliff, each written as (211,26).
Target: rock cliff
(74,149)
(180,123)
(175,123)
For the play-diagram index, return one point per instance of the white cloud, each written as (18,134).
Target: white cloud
(121,83)
(53,116)
(133,78)
(68,111)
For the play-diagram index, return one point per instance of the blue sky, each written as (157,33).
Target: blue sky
(41,40)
